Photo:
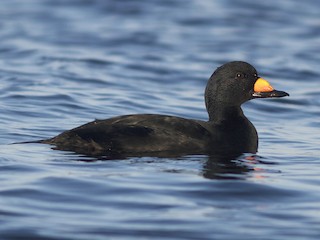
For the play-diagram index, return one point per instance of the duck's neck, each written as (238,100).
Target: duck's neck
(225,114)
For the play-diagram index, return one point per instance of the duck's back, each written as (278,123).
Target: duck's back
(136,134)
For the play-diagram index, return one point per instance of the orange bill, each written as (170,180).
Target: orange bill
(263,89)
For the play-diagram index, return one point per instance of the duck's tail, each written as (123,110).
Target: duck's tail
(35,141)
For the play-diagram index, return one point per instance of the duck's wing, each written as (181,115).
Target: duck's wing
(134,134)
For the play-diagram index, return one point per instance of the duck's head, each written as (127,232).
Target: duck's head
(236,82)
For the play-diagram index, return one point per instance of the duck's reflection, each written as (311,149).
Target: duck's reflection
(232,166)
(215,166)
(241,166)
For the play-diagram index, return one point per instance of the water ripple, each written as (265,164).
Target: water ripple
(64,63)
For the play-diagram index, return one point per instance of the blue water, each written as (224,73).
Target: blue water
(65,63)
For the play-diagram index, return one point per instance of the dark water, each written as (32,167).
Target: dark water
(64,63)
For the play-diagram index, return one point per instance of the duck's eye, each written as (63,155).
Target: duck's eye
(239,75)
(255,75)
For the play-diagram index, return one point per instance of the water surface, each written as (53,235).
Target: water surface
(65,63)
